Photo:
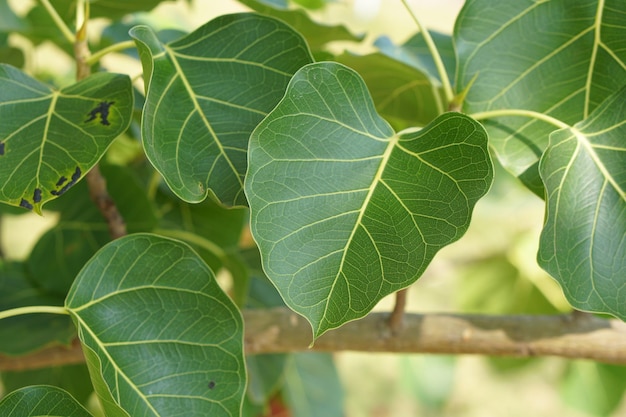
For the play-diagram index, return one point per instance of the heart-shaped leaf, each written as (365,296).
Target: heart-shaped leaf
(207,92)
(583,243)
(41,401)
(50,139)
(552,57)
(158,333)
(344,210)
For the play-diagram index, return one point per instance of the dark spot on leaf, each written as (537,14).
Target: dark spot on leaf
(1,148)
(61,181)
(103,110)
(37,195)
(26,204)
(211,384)
(75,177)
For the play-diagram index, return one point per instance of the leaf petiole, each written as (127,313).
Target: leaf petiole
(33,310)
(67,33)
(441,69)
(520,112)
(120,46)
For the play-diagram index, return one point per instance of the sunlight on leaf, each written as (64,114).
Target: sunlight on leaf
(50,139)
(207,92)
(344,210)
(158,333)
(583,243)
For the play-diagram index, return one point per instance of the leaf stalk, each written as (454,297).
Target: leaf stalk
(19,311)
(434,52)
(120,46)
(65,30)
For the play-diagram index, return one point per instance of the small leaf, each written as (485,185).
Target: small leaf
(41,401)
(344,210)
(50,139)
(545,56)
(583,242)
(158,333)
(207,92)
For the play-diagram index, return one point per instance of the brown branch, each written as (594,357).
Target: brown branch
(96,182)
(572,336)
(396,320)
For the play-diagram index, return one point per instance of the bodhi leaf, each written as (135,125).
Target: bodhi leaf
(207,92)
(158,333)
(583,243)
(344,210)
(49,139)
(41,401)
(547,56)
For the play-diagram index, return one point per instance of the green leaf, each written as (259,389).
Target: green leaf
(316,34)
(312,387)
(265,375)
(62,251)
(545,56)
(206,93)
(50,139)
(415,52)
(406,99)
(72,378)
(24,334)
(344,210)
(583,242)
(158,333)
(9,21)
(41,401)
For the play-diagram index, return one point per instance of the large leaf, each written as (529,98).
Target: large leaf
(158,333)
(344,210)
(41,401)
(545,56)
(207,92)
(50,139)
(583,243)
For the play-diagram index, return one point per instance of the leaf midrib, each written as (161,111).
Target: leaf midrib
(393,140)
(198,109)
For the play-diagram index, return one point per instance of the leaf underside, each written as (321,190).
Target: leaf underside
(547,56)
(50,139)
(344,210)
(40,401)
(583,243)
(206,93)
(158,333)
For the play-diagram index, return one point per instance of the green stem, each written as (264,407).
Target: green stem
(69,35)
(193,238)
(441,69)
(523,113)
(96,56)
(33,310)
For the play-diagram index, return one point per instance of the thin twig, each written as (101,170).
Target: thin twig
(67,33)
(96,182)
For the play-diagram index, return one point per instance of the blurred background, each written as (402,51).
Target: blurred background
(491,270)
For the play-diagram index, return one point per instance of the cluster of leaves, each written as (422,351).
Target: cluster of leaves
(350,173)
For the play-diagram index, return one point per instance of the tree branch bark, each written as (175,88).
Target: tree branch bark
(575,336)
